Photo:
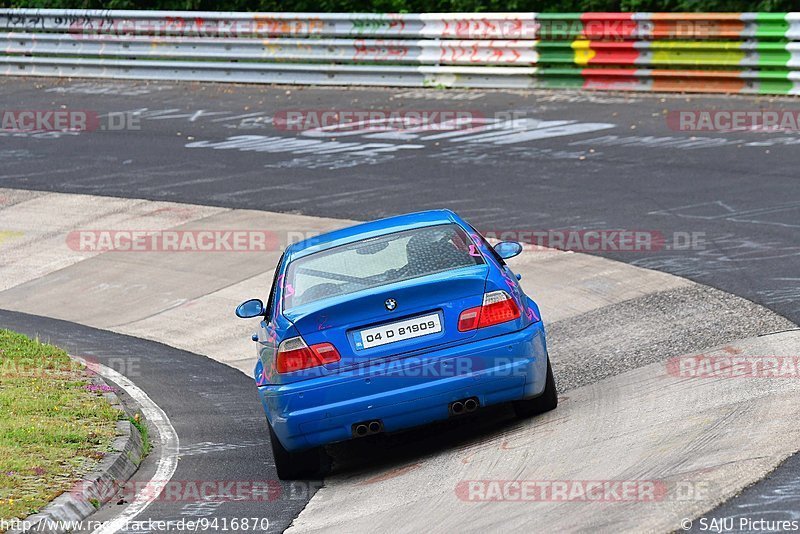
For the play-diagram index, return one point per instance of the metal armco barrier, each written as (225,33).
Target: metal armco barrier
(703,52)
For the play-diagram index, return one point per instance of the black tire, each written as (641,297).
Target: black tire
(545,402)
(301,465)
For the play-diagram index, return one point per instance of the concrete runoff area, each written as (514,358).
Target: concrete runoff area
(680,445)
(623,416)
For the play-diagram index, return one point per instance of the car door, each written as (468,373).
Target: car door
(269,335)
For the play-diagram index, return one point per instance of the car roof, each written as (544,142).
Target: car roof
(370,229)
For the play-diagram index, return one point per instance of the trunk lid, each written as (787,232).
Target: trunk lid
(426,316)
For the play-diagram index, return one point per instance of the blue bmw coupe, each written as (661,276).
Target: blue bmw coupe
(389,325)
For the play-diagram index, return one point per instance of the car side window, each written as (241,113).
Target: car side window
(271,301)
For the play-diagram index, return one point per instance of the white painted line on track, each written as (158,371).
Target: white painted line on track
(167,463)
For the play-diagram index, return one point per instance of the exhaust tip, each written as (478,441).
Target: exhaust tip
(470,405)
(457,407)
(361,430)
(375,427)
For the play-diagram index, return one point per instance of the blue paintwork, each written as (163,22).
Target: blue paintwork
(407,383)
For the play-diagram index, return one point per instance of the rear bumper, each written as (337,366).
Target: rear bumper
(408,392)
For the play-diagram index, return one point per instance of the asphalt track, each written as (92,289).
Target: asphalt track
(572,161)
(576,180)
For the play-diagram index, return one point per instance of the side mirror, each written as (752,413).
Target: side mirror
(250,308)
(508,249)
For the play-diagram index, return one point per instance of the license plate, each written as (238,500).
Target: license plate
(399,331)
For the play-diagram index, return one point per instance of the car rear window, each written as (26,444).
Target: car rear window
(378,261)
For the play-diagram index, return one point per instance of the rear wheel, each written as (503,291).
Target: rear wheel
(545,402)
(296,465)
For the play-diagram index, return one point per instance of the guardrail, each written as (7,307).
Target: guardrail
(708,52)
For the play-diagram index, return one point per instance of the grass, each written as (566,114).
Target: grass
(54,426)
(142,428)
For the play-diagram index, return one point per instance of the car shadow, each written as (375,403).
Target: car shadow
(379,452)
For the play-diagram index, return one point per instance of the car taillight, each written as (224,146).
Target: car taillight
(326,353)
(498,307)
(468,320)
(294,355)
